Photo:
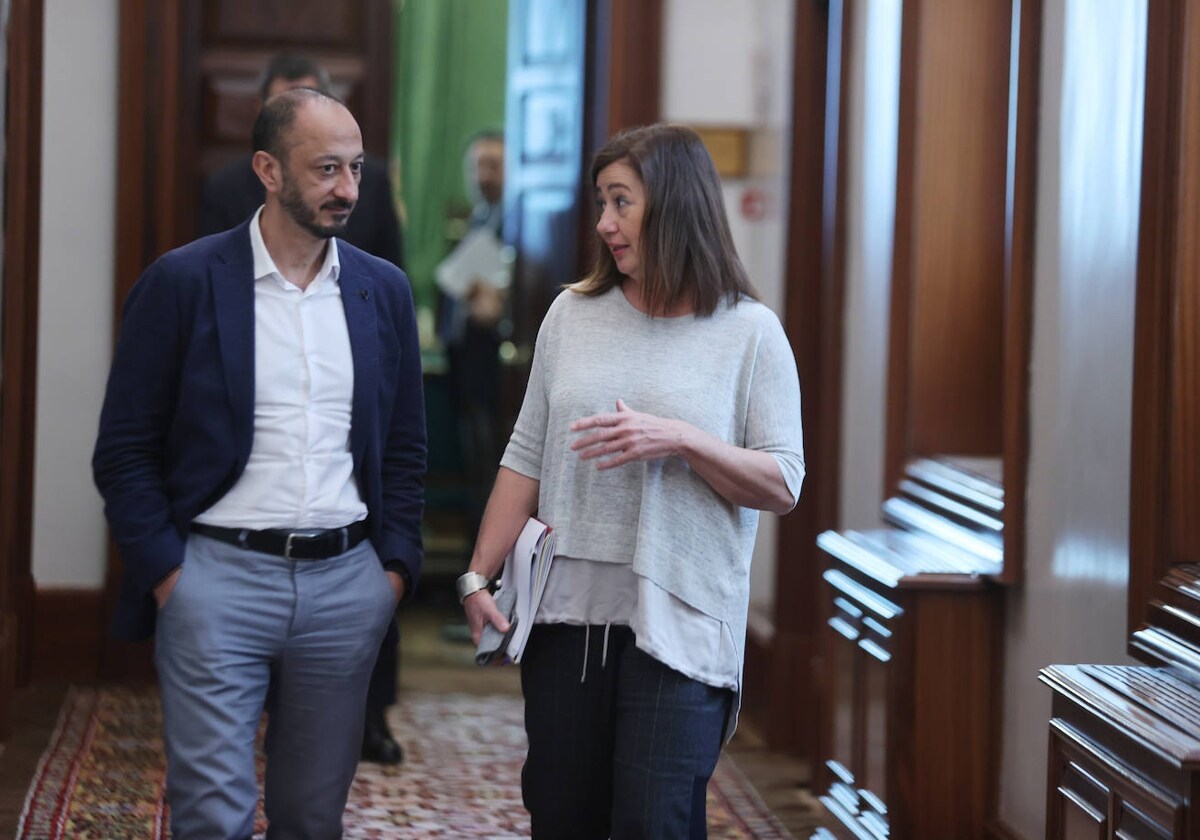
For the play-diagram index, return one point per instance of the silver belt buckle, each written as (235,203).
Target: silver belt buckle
(300,533)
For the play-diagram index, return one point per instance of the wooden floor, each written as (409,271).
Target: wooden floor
(433,659)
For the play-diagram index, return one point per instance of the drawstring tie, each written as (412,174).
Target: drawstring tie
(587,639)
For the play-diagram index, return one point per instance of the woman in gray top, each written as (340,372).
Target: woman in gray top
(662,413)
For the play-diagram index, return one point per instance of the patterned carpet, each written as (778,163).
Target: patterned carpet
(102,775)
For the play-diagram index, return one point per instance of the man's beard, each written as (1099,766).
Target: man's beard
(294,205)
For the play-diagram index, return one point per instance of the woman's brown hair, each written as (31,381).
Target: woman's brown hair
(687,249)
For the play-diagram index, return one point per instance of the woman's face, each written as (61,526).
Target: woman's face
(621,201)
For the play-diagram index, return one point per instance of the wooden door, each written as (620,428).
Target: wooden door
(18,332)
(350,40)
(1164,533)
(190,73)
(962,279)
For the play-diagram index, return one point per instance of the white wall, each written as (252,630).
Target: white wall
(709,74)
(76,277)
(729,63)
(1071,607)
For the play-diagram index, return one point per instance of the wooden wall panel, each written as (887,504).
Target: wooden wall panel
(68,629)
(1184,436)
(961,122)
(1165,466)
(812,318)
(351,40)
(635,84)
(962,280)
(303,25)
(1152,328)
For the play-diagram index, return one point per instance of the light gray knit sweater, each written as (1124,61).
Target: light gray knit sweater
(731,374)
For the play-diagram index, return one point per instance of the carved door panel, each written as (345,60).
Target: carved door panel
(1164,535)
(1080,822)
(1086,794)
(544,132)
(189,94)
(222,67)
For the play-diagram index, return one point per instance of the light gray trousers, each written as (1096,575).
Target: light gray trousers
(244,631)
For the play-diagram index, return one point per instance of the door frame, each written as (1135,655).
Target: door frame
(22,238)
(783,674)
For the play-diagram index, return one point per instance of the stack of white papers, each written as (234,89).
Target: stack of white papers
(525,570)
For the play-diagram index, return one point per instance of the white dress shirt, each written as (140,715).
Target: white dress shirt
(300,473)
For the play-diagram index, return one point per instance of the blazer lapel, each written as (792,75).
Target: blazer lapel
(358,299)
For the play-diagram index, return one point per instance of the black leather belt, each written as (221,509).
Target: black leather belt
(301,544)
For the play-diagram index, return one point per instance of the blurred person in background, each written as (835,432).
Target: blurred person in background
(469,326)
(262,455)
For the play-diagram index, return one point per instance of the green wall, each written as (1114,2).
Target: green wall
(450,73)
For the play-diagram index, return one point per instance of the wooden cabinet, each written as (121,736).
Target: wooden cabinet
(912,655)
(1124,753)
(1125,741)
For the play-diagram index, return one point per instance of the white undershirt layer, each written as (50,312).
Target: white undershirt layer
(300,473)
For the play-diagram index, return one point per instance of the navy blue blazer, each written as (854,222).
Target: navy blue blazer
(178,416)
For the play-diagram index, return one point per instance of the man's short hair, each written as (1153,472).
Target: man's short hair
(484,135)
(293,66)
(275,120)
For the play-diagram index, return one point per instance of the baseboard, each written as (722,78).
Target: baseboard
(998,829)
(68,635)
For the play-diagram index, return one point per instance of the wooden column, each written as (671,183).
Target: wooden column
(22,213)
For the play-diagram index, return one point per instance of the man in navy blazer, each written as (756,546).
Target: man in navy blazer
(230,196)
(261,455)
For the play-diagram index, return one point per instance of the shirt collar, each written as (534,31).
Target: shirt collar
(264,266)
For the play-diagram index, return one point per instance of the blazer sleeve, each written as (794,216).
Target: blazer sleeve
(404,452)
(128,460)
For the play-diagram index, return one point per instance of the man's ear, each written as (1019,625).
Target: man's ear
(267,168)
